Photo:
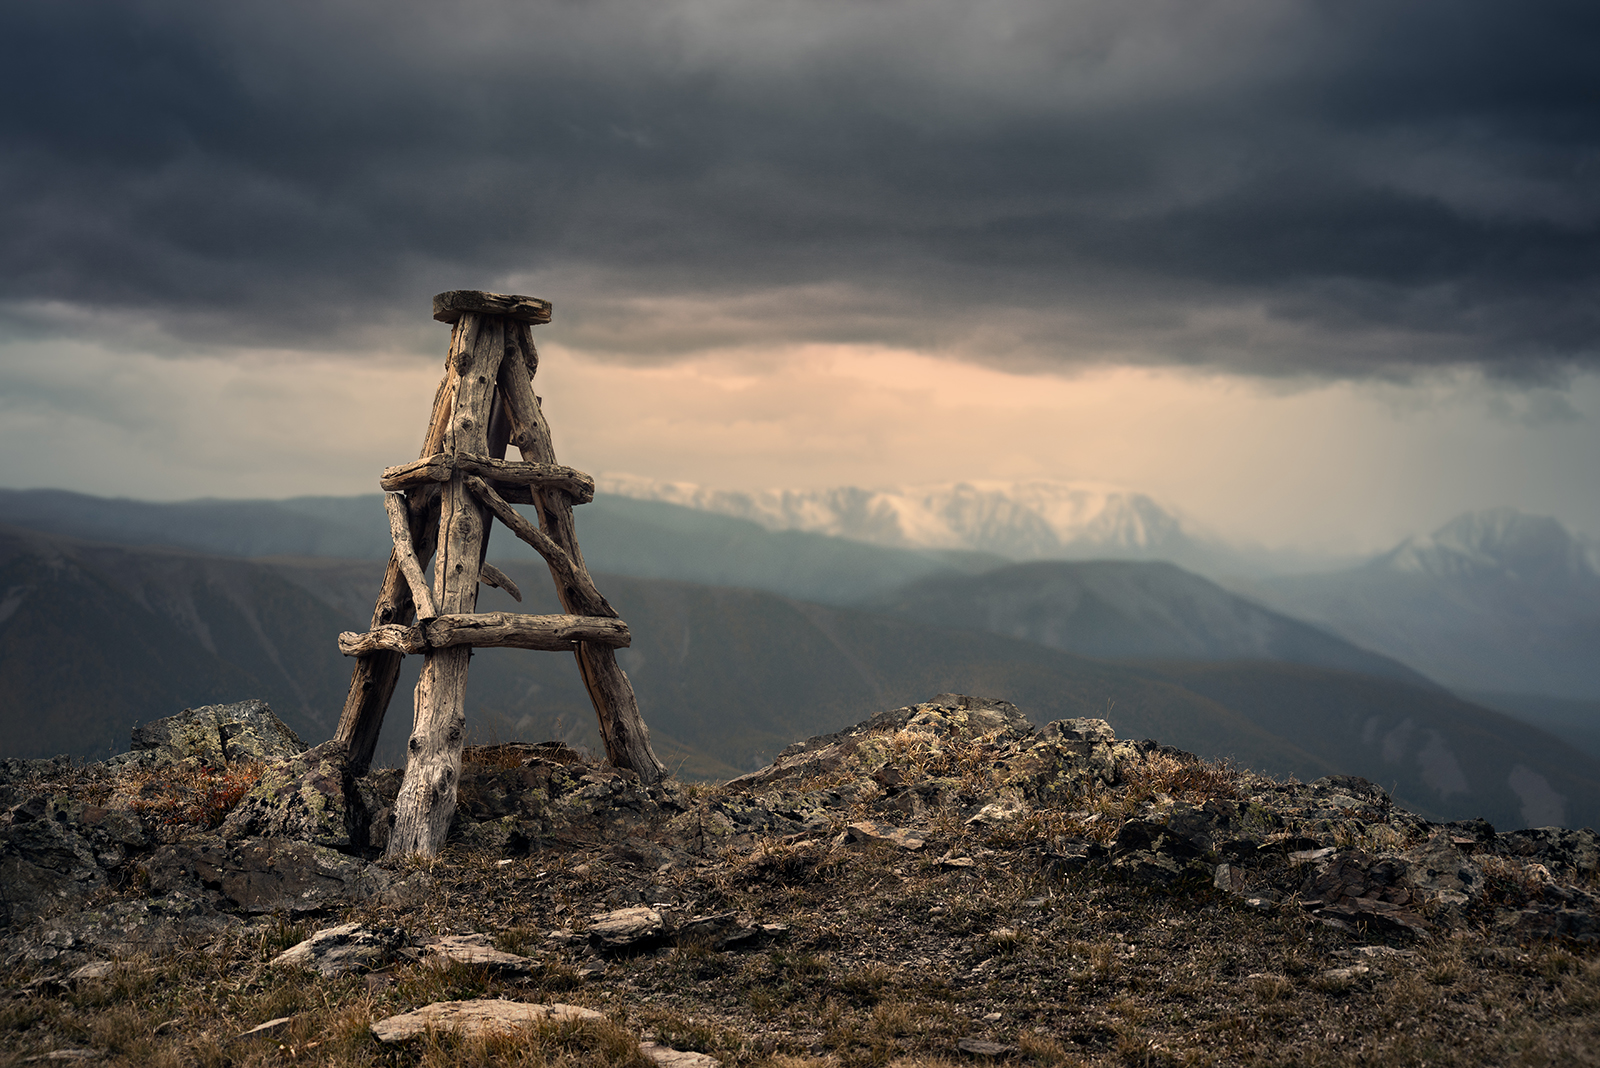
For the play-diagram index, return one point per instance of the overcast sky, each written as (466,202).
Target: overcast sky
(1312,272)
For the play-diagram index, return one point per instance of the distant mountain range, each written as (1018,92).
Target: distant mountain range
(1031,520)
(1128,610)
(1501,607)
(1493,601)
(97,637)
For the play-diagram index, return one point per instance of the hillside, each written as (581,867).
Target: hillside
(1123,609)
(941,884)
(96,638)
(647,539)
(101,637)
(1492,601)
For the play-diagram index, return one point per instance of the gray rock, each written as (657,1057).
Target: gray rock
(350,947)
(1571,854)
(44,865)
(1445,871)
(266,875)
(306,797)
(121,929)
(1078,730)
(218,735)
(473,1018)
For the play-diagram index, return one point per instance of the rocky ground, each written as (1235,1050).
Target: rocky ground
(942,884)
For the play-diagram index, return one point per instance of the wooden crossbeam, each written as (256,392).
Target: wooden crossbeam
(441,466)
(505,630)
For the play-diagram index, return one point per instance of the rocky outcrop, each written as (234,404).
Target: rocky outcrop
(217,735)
(85,875)
(305,797)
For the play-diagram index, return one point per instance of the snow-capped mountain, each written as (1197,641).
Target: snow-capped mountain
(1499,543)
(1491,601)
(1020,520)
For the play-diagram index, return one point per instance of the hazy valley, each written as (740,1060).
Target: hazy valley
(745,639)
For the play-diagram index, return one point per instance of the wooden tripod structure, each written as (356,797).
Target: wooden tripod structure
(443,505)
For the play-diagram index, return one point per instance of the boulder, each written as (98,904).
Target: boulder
(217,735)
(1441,868)
(44,863)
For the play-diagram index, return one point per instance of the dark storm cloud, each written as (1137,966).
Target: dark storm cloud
(1275,187)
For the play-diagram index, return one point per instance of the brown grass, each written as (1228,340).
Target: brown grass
(189,795)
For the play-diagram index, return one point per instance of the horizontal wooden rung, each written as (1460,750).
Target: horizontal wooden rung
(441,465)
(488,629)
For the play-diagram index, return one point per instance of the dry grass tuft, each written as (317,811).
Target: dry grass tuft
(190,795)
(1180,778)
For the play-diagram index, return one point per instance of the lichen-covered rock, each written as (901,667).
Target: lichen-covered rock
(217,735)
(119,929)
(1572,854)
(1441,867)
(306,797)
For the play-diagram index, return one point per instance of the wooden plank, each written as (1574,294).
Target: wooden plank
(586,599)
(373,679)
(490,575)
(550,633)
(626,738)
(427,798)
(440,466)
(450,306)
(410,567)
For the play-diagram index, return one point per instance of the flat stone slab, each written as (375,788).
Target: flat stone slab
(884,834)
(476,951)
(481,1017)
(624,927)
(667,1057)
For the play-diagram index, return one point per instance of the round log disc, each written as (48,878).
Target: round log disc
(448,307)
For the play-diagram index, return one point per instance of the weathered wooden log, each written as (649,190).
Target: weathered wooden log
(553,633)
(490,575)
(373,679)
(449,307)
(440,466)
(410,567)
(427,798)
(626,738)
(586,599)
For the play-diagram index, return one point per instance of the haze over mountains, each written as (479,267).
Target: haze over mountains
(1033,520)
(825,630)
